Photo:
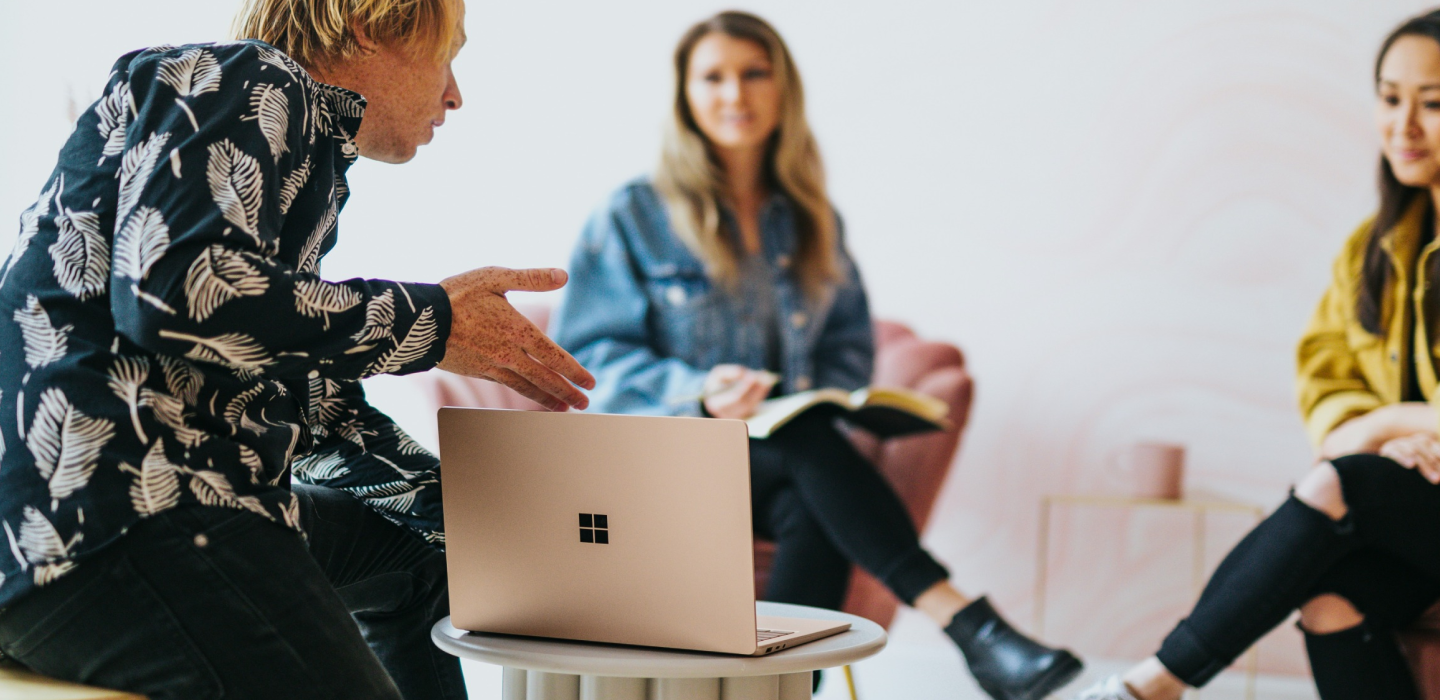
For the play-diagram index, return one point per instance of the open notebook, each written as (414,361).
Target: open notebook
(886,412)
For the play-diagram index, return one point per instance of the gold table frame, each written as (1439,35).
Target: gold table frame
(1200,509)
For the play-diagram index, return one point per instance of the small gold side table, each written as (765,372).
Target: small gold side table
(1200,511)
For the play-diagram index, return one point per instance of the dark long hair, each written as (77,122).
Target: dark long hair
(1395,198)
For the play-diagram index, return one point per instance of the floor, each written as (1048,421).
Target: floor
(919,664)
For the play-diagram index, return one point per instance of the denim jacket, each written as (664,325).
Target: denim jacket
(641,314)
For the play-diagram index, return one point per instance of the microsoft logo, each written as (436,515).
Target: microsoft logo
(594,527)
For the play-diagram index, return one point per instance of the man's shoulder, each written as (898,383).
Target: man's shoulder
(203,66)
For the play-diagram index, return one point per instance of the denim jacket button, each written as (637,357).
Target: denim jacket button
(675,295)
(802,383)
(783,261)
(798,319)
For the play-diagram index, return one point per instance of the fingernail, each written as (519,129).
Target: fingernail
(558,276)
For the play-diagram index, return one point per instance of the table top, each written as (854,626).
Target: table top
(864,638)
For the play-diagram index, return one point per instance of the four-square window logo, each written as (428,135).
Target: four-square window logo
(595,528)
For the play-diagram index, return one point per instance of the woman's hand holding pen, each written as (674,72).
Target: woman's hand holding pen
(733,391)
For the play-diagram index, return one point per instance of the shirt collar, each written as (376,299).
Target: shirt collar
(338,113)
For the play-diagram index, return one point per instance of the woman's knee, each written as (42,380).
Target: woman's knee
(1320,489)
(1329,613)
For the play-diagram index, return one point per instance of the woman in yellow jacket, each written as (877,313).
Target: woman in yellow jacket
(1357,545)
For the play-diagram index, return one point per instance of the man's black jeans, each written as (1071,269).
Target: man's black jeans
(826,506)
(203,602)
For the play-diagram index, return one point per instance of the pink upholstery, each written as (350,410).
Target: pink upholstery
(916,466)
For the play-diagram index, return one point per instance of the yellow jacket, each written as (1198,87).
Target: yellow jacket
(1344,371)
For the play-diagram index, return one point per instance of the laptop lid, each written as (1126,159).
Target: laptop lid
(607,528)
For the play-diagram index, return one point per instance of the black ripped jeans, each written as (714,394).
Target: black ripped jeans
(1383,557)
(826,506)
(205,602)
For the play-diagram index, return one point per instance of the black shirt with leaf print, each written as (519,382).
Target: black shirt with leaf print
(173,342)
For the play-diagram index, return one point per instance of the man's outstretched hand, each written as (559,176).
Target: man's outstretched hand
(491,340)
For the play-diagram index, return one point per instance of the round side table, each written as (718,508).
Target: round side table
(549,669)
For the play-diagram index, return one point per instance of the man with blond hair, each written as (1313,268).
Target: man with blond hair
(196,497)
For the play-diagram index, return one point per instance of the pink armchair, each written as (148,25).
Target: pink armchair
(916,466)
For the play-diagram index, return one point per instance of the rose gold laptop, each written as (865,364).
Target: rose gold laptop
(606,528)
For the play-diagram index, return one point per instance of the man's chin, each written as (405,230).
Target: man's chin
(393,157)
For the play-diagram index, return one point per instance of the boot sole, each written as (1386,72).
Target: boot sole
(1057,677)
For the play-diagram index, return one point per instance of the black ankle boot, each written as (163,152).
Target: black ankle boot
(1359,664)
(1008,665)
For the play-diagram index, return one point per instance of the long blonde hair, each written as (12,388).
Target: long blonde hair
(691,181)
(317,32)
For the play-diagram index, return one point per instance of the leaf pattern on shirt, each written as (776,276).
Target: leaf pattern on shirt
(44,343)
(379,319)
(81,254)
(136,167)
(234,350)
(396,497)
(353,431)
(408,446)
(236,408)
(283,62)
(170,412)
(325,405)
(181,378)
(126,376)
(316,468)
(211,488)
(236,185)
(422,334)
(157,482)
(194,72)
(140,243)
(113,116)
(65,444)
(272,114)
(292,184)
(320,298)
(41,544)
(310,253)
(218,275)
(30,225)
(252,461)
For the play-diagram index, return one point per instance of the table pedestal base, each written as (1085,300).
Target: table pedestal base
(520,684)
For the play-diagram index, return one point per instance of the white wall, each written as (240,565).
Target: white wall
(1123,211)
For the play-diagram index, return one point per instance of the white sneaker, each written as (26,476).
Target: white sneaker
(1111,688)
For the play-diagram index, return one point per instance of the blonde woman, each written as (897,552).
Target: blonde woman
(723,278)
(175,358)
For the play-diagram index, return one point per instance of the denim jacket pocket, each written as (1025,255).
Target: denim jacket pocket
(686,315)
